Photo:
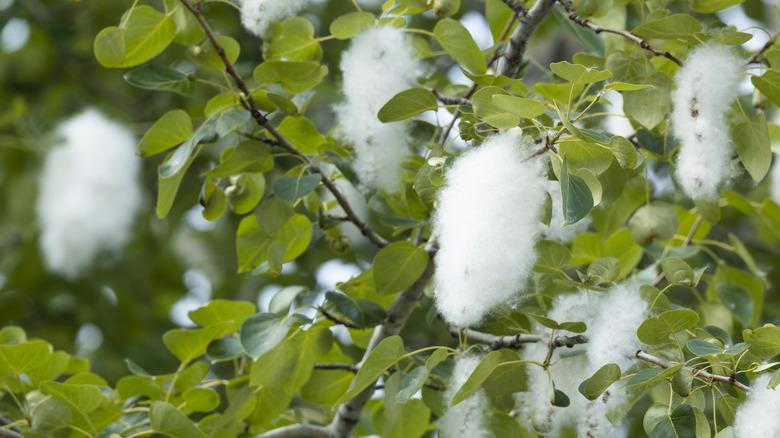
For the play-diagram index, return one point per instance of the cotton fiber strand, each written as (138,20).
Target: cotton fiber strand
(258,15)
(468,418)
(706,86)
(612,319)
(89,193)
(757,415)
(557,230)
(487,223)
(378,65)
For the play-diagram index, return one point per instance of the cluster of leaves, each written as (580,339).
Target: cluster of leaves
(245,372)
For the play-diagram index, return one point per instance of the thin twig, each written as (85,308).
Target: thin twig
(335,319)
(772,40)
(336,366)
(448,100)
(643,43)
(513,58)
(516,341)
(663,363)
(249,103)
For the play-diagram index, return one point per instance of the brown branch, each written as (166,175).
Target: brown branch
(516,7)
(516,341)
(448,100)
(513,58)
(772,40)
(397,314)
(663,363)
(643,43)
(249,103)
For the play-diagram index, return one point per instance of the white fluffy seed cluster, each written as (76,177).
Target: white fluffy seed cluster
(706,86)
(487,223)
(557,229)
(612,319)
(469,417)
(378,65)
(258,15)
(756,416)
(89,193)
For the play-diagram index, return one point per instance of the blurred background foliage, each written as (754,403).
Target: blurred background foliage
(120,309)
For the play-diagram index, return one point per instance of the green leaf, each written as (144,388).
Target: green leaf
(680,424)
(188,344)
(292,40)
(406,104)
(764,341)
(677,271)
(213,60)
(302,133)
(560,399)
(486,366)
(411,382)
(654,221)
(200,400)
(768,84)
(519,106)
(489,112)
(552,256)
(650,106)
(751,138)
(737,300)
(603,270)
(648,376)
(168,420)
(577,198)
(245,192)
(290,188)
(262,332)
(593,387)
(579,73)
(361,312)
(22,358)
(152,77)
(347,26)
(171,130)
(146,34)
(382,357)
(657,330)
(223,314)
(84,398)
(397,266)
(703,348)
(710,6)
(625,153)
(168,186)
(669,27)
(284,299)
(456,40)
(248,156)
(295,77)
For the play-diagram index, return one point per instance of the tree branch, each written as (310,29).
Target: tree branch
(513,58)
(349,413)
(336,320)
(249,103)
(663,363)
(754,59)
(336,366)
(584,22)
(516,341)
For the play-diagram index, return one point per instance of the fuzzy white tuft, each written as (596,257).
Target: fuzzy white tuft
(467,418)
(757,416)
(258,15)
(706,86)
(378,65)
(89,193)
(612,319)
(487,222)
(557,230)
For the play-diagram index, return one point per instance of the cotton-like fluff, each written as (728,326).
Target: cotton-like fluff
(258,15)
(757,415)
(377,66)
(487,222)
(89,193)
(557,230)
(468,418)
(706,86)
(612,319)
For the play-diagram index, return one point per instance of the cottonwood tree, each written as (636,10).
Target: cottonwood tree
(567,247)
